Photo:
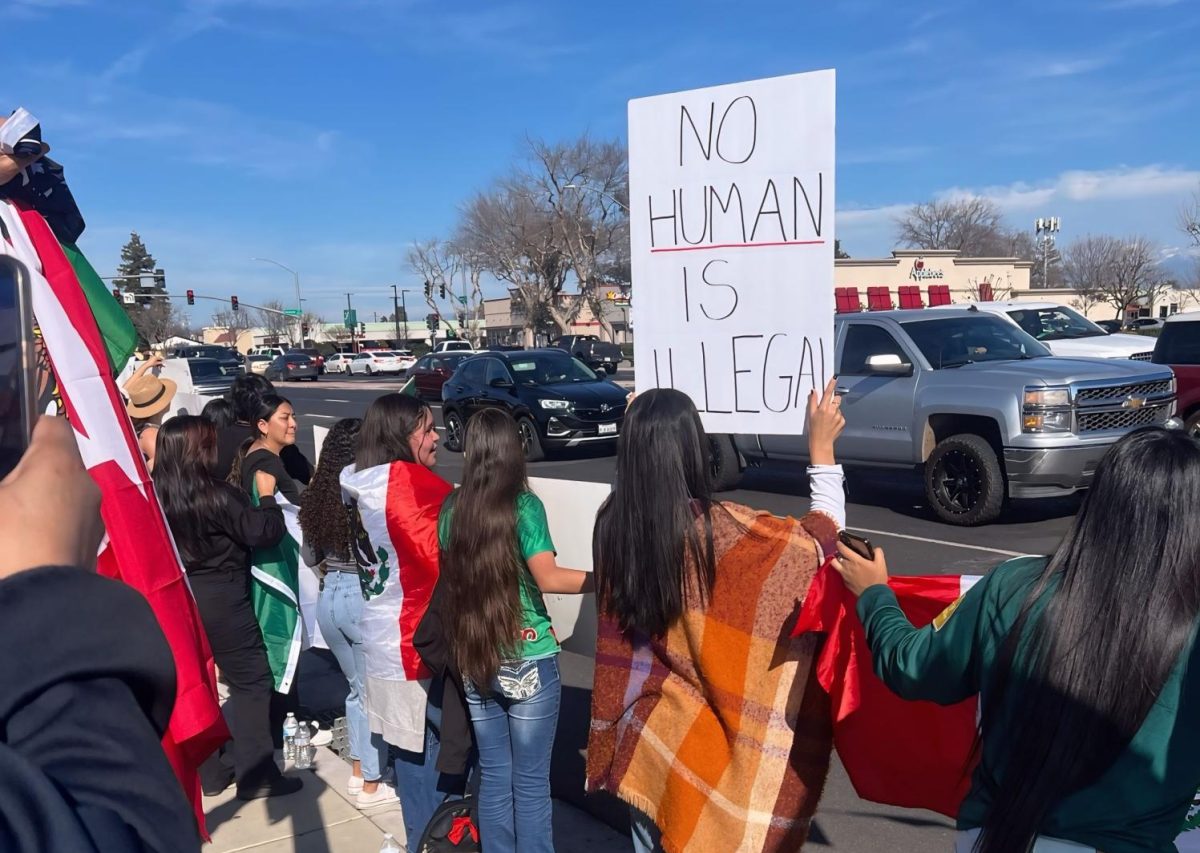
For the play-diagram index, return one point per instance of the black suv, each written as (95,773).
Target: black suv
(557,400)
(230,359)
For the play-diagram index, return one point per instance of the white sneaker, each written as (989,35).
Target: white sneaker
(384,795)
(321,737)
(354,786)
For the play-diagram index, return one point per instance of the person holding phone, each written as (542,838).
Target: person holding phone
(1085,662)
(706,717)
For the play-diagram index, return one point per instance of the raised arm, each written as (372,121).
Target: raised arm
(825,478)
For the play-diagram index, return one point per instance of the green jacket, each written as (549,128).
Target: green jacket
(1138,805)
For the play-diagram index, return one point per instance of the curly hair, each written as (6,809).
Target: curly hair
(324,518)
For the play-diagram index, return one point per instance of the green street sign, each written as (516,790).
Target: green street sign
(463,300)
(293,312)
(350,317)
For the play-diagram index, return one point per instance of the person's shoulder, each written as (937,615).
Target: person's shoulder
(1013,578)
(529,502)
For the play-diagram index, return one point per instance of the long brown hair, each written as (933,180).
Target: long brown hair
(185,456)
(481,562)
(386,428)
(324,518)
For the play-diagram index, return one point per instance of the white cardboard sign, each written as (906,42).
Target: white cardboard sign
(732,228)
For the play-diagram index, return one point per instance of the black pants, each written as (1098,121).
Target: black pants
(237,647)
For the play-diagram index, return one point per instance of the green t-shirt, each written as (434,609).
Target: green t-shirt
(533,537)
(1138,805)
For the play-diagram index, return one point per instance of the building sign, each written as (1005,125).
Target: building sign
(731,227)
(920,272)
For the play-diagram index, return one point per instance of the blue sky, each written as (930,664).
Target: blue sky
(329,136)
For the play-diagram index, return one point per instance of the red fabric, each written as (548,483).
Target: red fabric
(414,536)
(460,828)
(909,754)
(140,551)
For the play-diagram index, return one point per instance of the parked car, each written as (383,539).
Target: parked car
(211,378)
(1067,332)
(1179,347)
(1141,324)
(976,405)
(271,351)
(258,363)
(230,359)
(372,363)
(406,359)
(338,362)
(1110,326)
(454,346)
(314,354)
(557,400)
(292,368)
(430,372)
(595,353)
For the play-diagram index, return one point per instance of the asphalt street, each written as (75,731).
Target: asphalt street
(888,508)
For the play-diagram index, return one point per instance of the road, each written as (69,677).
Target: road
(888,508)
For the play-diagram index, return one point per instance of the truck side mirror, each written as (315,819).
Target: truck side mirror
(889,365)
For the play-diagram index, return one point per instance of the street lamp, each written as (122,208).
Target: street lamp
(597,191)
(299,301)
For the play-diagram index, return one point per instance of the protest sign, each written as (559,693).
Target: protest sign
(731,230)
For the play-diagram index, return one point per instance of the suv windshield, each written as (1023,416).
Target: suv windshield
(1055,324)
(955,341)
(549,369)
(206,369)
(1179,343)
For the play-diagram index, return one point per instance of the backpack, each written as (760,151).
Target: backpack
(454,828)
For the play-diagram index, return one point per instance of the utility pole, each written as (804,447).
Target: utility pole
(396,316)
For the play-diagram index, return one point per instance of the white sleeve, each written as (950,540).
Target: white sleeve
(825,483)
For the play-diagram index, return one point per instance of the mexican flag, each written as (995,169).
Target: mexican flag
(275,594)
(909,754)
(138,549)
(120,337)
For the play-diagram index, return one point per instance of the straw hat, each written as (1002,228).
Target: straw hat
(149,396)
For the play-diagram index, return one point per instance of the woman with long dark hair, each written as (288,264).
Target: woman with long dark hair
(1086,662)
(325,520)
(497,561)
(705,716)
(245,396)
(216,529)
(396,498)
(274,426)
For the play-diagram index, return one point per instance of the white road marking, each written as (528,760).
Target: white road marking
(331,417)
(939,542)
(335,401)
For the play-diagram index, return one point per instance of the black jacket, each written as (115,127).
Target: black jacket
(226,542)
(457,735)
(87,685)
(230,440)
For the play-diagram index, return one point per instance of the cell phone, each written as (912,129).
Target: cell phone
(18,363)
(857,544)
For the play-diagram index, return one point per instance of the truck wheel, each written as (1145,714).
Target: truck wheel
(963,481)
(726,467)
(454,431)
(530,440)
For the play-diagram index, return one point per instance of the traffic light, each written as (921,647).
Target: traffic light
(428,289)
(117,293)
(233,303)
(191,297)
(362,329)
(304,328)
(160,279)
(442,290)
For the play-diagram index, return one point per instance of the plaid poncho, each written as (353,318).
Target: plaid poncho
(717,730)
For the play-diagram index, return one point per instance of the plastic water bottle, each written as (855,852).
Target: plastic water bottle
(389,845)
(290,727)
(304,749)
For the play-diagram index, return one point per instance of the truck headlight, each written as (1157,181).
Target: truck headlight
(1047,410)
(1047,421)
(557,405)
(1047,398)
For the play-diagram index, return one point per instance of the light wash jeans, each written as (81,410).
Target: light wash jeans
(514,732)
(644,831)
(421,788)
(338,612)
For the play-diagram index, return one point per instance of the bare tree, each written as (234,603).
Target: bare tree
(1118,271)
(276,325)
(973,226)
(437,262)
(586,185)
(235,323)
(512,235)
(990,286)
(1189,217)
(158,320)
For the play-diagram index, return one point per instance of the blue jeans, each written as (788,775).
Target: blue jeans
(515,737)
(645,833)
(420,787)
(338,612)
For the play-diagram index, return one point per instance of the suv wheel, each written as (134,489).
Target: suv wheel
(1192,426)
(726,467)
(963,481)
(530,440)
(455,431)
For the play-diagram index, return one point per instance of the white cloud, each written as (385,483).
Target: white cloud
(1141,4)
(886,154)
(1078,186)
(1066,67)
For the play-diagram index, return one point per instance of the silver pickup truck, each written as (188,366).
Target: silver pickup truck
(980,407)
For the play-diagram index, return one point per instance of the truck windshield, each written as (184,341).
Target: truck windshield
(955,341)
(1055,324)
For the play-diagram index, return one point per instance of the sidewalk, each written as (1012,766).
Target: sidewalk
(321,818)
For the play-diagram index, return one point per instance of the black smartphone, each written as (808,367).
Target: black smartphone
(857,544)
(18,364)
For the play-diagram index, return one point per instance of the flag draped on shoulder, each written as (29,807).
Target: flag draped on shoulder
(396,546)
(275,594)
(902,753)
(138,550)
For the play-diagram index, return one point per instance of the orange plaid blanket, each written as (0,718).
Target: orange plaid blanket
(718,730)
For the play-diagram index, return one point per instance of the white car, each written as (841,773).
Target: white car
(258,363)
(274,352)
(453,346)
(370,363)
(407,359)
(339,362)
(1067,332)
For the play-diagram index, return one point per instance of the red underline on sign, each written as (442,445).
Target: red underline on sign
(738,246)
